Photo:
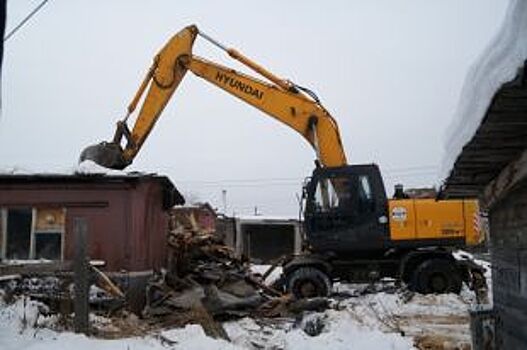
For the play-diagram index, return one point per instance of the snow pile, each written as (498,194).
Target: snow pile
(271,218)
(498,64)
(443,317)
(17,170)
(346,333)
(461,255)
(89,167)
(23,327)
(339,330)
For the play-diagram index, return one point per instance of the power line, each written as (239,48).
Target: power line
(417,167)
(409,171)
(253,180)
(245,185)
(19,25)
(389,173)
(286,181)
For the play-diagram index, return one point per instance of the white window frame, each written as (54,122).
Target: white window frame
(33,233)
(3,231)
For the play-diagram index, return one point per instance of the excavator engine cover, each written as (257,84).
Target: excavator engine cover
(106,154)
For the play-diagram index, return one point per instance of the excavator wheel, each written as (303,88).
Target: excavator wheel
(308,282)
(436,276)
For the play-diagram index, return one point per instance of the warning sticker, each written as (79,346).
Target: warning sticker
(399,214)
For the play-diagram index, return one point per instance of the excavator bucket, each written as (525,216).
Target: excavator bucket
(107,154)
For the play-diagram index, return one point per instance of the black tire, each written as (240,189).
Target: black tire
(308,282)
(436,276)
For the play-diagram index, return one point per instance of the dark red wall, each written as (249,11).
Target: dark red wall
(127,224)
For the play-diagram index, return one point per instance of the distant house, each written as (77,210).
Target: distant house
(421,192)
(262,239)
(202,213)
(259,238)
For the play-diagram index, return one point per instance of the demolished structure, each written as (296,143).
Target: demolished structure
(127,219)
(168,266)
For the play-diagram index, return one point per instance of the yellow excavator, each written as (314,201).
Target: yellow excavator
(352,230)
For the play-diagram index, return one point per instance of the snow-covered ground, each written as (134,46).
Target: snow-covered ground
(388,319)
(379,316)
(20,329)
(340,330)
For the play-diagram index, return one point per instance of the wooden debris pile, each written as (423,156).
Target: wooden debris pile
(206,283)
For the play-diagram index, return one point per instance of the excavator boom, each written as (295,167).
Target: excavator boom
(278,98)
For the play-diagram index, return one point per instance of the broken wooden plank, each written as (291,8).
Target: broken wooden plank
(211,327)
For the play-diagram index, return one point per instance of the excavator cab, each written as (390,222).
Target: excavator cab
(346,209)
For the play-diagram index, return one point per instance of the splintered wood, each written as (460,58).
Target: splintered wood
(206,283)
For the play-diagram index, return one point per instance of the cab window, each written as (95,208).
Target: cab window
(365,196)
(332,194)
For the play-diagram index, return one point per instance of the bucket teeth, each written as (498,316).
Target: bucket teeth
(107,154)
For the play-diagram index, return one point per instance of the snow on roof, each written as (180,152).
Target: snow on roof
(87,167)
(497,64)
(265,218)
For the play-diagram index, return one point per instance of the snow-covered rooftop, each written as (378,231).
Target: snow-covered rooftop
(265,218)
(497,64)
(86,168)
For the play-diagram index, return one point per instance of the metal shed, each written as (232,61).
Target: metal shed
(264,239)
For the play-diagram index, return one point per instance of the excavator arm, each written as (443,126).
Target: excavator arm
(292,105)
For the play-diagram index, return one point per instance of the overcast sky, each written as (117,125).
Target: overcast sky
(389,71)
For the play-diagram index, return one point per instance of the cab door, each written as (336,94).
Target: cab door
(346,209)
(370,223)
(328,210)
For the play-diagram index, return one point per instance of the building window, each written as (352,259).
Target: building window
(18,233)
(48,245)
(32,233)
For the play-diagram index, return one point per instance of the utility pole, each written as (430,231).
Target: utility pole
(224,199)
(81,277)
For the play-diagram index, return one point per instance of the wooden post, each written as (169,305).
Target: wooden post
(82,276)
